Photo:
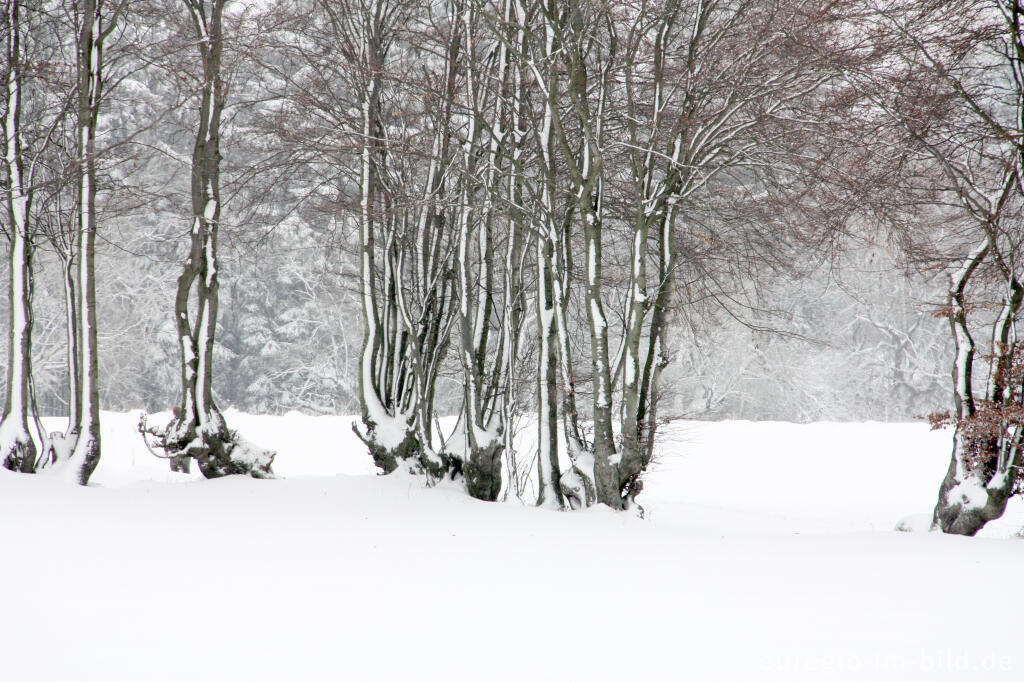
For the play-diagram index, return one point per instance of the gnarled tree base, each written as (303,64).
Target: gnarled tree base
(582,486)
(482,469)
(388,456)
(965,507)
(578,488)
(85,457)
(217,451)
(17,451)
(59,447)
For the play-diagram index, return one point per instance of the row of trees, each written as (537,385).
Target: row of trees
(537,201)
(529,174)
(63,126)
(52,175)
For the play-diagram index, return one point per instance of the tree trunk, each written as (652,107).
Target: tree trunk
(657,357)
(17,450)
(549,490)
(198,430)
(984,465)
(966,500)
(407,281)
(74,343)
(86,454)
(483,420)
(516,251)
(606,478)
(631,459)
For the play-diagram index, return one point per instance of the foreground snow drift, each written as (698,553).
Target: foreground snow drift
(767,554)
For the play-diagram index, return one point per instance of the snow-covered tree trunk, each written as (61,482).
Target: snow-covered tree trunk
(606,459)
(515,295)
(549,492)
(73,342)
(386,442)
(657,356)
(558,414)
(487,354)
(92,30)
(406,284)
(17,450)
(198,430)
(986,459)
(586,172)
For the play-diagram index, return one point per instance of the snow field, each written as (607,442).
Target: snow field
(767,553)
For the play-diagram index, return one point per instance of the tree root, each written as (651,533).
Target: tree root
(482,469)
(217,451)
(410,451)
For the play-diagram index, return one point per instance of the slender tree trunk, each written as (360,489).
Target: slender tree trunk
(86,454)
(516,251)
(589,191)
(606,479)
(548,473)
(484,420)
(73,344)
(17,450)
(631,461)
(657,356)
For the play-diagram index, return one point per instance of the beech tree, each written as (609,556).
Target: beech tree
(198,429)
(39,170)
(948,81)
(95,22)
(981,160)
(374,85)
(17,449)
(646,107)
(490,288)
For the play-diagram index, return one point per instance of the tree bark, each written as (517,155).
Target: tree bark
(17,449)
(73,337)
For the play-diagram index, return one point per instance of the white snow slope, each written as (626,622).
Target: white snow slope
(767,554)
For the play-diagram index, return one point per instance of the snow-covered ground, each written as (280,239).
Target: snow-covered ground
(767,553)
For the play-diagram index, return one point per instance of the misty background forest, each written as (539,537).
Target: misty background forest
(861,324)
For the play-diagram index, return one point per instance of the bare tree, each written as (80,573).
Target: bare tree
(95,23)
(947,79)
(646,107)
(198,429)
(38,171)
(575,141)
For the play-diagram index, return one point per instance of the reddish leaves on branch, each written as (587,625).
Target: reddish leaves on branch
(985,433)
